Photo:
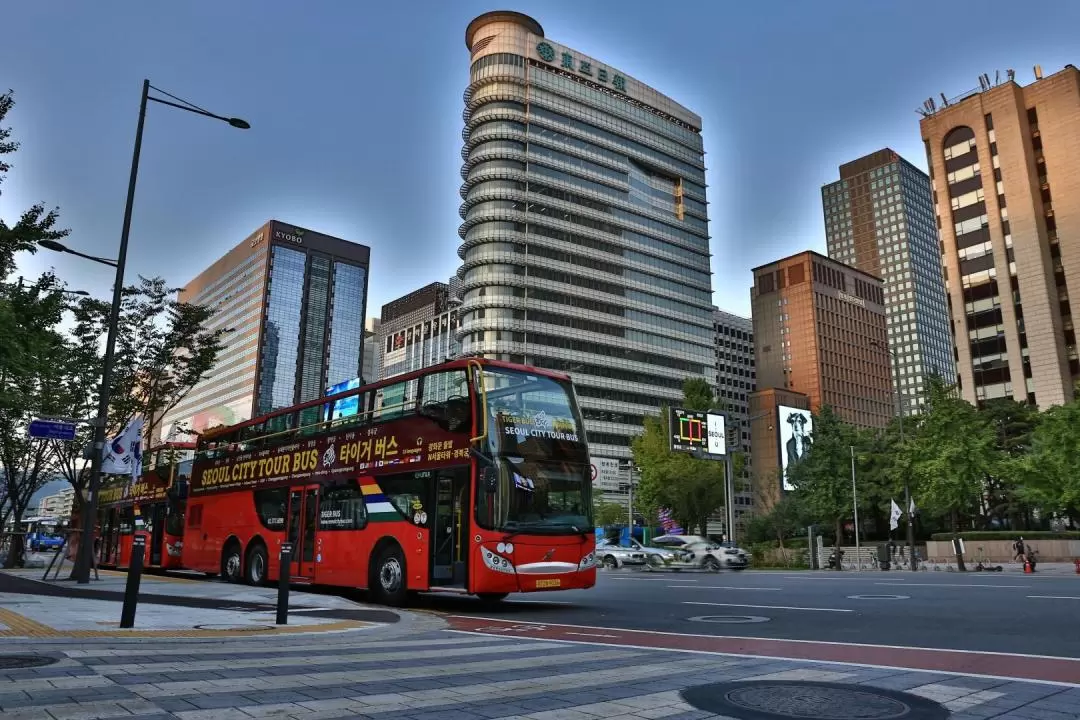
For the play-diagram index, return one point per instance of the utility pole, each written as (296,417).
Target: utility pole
(855,500)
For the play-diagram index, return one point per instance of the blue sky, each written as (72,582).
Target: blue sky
(356,114)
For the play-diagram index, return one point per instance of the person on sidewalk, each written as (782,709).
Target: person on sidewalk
(1018,548)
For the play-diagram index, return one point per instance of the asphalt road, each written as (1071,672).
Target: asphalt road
(1022,614)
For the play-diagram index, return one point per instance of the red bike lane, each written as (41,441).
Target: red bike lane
(1001,665)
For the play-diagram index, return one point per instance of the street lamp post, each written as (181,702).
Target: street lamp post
(900,415)
(85,557)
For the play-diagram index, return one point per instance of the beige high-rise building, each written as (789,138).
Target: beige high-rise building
(1005,166)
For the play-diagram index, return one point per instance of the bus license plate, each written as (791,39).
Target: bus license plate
(552,583)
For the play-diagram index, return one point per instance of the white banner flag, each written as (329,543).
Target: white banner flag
(123,454)
(911,508)
(894,516)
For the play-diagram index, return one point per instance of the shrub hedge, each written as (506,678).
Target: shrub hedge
(1009,535)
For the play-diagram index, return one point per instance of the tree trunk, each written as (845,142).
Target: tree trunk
(17,546)
(839,536)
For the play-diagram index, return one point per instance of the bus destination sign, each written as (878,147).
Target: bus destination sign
(333,457)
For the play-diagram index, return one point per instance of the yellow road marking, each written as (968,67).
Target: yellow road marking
(17,625)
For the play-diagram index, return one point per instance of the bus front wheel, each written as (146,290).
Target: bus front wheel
(491,598)
(232,562)
(388,579)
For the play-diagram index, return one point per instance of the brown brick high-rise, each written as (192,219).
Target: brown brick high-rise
(819,326)
(1005,166)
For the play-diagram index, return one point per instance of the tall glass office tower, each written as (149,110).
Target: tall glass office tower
(585,235)
(879,218)
(294,301)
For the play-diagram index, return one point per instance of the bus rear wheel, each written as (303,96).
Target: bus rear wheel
(491,598)
(388,580)
(255,567)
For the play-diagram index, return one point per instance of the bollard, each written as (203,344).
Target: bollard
(284,567)
(131,589)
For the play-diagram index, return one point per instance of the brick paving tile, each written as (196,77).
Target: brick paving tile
(445,676)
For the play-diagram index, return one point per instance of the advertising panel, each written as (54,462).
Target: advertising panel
(697,432)
(343,408)
(796,429)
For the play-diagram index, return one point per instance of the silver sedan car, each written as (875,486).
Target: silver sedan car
(613,556)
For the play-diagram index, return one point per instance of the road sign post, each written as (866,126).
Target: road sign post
(47,429)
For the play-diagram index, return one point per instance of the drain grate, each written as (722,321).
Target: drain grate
(12,662)
(236,628)
(773,700)
(730,619)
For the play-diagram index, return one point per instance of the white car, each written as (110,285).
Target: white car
(702,552)
(613,556)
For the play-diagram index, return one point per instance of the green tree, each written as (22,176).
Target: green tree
(164,348)
(29,391)
(822,479)
(1052,469)
(1013,423)
(952,452)
(608,513)
(691,488)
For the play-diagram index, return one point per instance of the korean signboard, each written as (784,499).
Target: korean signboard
(403,446)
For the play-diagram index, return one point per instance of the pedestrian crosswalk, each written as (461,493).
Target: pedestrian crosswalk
(442,675)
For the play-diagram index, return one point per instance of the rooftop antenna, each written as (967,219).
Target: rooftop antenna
(1011,73)
(944,100)
(997,77)
(1038,72)
(982,84)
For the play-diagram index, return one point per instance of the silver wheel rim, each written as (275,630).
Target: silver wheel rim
(712,564)
(609,562)
(390,574)
(232,565)
(258,566)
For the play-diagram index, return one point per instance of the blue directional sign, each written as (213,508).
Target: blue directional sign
(52,429)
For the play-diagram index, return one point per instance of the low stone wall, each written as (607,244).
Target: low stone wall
(1001,551)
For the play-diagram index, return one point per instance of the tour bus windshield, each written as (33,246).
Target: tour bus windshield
(534,473)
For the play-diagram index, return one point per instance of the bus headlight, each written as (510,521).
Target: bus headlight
(589,561)
(496,562)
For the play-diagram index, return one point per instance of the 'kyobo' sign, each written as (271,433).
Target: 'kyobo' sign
(582,67)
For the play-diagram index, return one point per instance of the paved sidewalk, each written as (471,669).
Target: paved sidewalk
(444,675)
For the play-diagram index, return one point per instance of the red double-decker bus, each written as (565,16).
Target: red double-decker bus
(471,476)
(153,507)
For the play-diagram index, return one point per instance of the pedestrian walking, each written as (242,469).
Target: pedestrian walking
(1018,548)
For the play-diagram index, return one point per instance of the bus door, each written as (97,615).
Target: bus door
(156,517)
(449,533)
(303,521)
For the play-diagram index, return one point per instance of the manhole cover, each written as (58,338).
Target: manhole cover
(750,700)
(879,597)
(10,662)
(236,628)
(730,619)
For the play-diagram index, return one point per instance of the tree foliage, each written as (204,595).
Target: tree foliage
(30,352)
(691,488)
(1051,472)
(608,513)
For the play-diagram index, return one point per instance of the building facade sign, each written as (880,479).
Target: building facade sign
(567,61)
(851,299)
(295,236)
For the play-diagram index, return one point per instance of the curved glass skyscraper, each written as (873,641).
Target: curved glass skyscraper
(585,242)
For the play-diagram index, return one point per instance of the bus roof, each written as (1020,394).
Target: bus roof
(404,377)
